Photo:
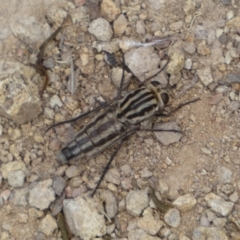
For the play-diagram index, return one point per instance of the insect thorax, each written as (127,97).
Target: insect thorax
(137,106)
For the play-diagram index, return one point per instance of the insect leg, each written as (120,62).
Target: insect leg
(86,114)
(178,107)
(159,130)
(107,166)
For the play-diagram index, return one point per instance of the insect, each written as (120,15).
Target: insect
(120,118)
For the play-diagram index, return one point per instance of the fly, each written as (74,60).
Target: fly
(117,120)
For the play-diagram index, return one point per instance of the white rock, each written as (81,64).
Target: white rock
(119,25)
(176,25)
(111,203)
(172,218)
(101,29)
(140,28)
(113,176)
(139,234)
(168,137)
(185,202)
(218,204)
(109,10)
(55,101)
(42,195)
(156,4)
(188,63)
(7,168)
(224,175)
(205,75)
(16,178)
(212,233)
(84,218)
(48,225)
(149,223)
(136,201)
(141,61)
(20,102)
(176,63)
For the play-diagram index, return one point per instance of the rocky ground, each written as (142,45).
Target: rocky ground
(196,173)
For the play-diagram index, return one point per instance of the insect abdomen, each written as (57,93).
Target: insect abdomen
(101,133)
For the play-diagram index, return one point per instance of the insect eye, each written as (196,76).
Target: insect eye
(165,98)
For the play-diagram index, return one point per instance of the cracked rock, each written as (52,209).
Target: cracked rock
(218,204)
(136,202)
(142,61)
(101,29)
(172,218)
(185,202)
(84,218)
(42,195)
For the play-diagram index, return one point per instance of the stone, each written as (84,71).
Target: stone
(113,176)
(188,63)
(189,7)
(109,10)
(140,28)
(234,197)
(19,99)
(19,197)
(202,49)
(48,225)
(205,75)
(183,237)
(16,178)
(101,29)
(218,204)
(58,185)
(176,63)
(117,77)
(55,101)
(22,217)
(119,25)
(42,195)
(168,137)
(145,173)
(212,233)
(72,171)
(141,61)
(139,234)
(224,175)
(84,217)
(110,203)
(155,4)
(172,218)
(219,222)
(149,223)
(176,26)
(185,202)
(136,202)
(9,167)
(234,23)
(204,221)
(109,46)
(189,48)
(35,214)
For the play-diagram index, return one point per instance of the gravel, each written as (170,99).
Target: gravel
(198,175)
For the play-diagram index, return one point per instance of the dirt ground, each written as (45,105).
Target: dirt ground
(211,134)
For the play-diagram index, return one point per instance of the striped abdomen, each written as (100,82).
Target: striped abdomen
(101,132)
